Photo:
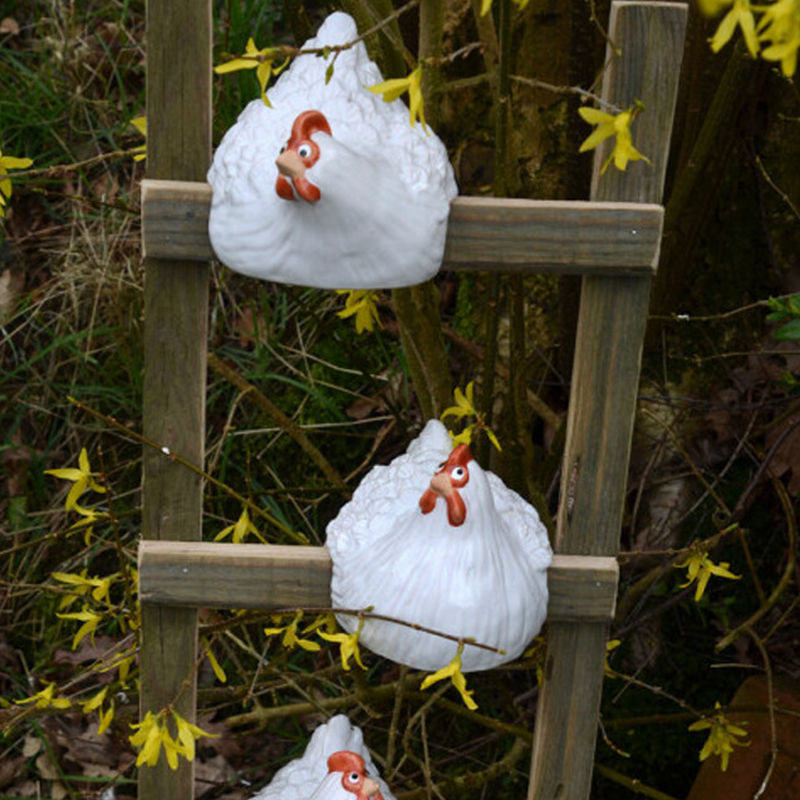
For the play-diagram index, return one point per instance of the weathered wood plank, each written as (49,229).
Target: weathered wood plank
(175,336)
(284,576)
(234,575)
(563,237)
(605,381)
(484,233)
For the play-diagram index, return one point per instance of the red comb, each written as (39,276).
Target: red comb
(346,761)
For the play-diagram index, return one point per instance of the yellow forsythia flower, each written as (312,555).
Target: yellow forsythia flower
(617,125)
(45,699)
(95,702)
(290,638)
(453,671)
(90,621)
(152,733)
(82,478)
(613,644)
(348,645)
(363,304)
(104,717)
(82,585)
(486,5)
(465,407)
(215,665)
(7,163)
(187,733)
(259,60)
(140,123)
(780,26)
(722,737)
(700,568)
(740,16)
(240,529)
(412,83)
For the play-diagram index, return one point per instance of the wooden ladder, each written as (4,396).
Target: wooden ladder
(612,241)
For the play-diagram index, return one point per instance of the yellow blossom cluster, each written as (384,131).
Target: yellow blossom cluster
(412,83)
(699,567)
(325,627)
(363,304)
(153,733)
(770,30)
(240,529)
(453,671)
(616,125)
(262,61)
(465,407)
(723,736)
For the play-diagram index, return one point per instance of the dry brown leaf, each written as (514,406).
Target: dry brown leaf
(786,458)
(31,746)
(211,773)
(10,768)
(47,769)
(9,26)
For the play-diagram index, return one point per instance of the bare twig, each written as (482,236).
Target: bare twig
(111,422)
(771,709)
(786,578)
(228,373)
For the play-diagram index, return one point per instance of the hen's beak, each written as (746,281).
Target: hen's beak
(290,165)
(440,486)
(370,787)
(440,483)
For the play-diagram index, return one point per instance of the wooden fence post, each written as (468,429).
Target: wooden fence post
(605,384)
(175,342)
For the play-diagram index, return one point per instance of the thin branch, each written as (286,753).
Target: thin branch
(771,709)
(232,376)
(111,422)
(786,578)
(768,179)
(564,89)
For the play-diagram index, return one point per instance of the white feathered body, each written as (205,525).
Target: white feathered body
(484,579)
(385,186)
(301,778)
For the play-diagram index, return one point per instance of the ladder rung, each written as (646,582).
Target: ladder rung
(484,233)
(216,575)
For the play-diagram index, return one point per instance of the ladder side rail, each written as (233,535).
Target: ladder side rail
(175,346)
(612,319)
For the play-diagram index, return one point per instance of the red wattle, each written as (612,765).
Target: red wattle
(307,190)
(284,188)
(456,509)
(428,501)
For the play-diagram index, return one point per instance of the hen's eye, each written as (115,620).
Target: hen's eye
(283,149)
(304,151)
(353,777)
(458,473)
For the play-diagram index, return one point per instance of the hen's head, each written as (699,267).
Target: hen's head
(451,476)
(300,153)
(354,776)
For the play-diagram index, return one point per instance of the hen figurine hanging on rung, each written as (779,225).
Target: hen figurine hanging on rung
(331,187)
(435,540)
(336,765)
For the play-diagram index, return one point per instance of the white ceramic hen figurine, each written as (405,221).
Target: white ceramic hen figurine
(335,766)
(331,187)
(435,540)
